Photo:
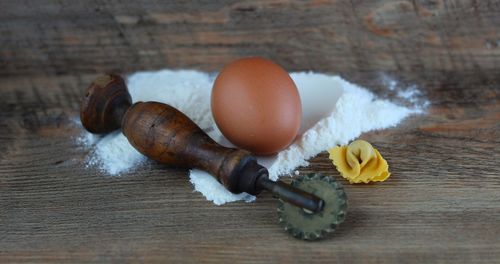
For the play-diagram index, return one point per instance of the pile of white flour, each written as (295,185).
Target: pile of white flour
(334,112)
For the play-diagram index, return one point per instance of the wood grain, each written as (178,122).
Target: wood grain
(164,134)
(442,203)
(95,36)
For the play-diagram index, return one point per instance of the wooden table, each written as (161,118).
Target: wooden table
(441,204)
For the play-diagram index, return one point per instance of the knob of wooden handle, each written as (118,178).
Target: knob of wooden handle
(105,103)
(164,134)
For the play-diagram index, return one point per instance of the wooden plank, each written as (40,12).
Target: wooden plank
(68,37)
(442,203)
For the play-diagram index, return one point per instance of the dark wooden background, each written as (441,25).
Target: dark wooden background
(441,204)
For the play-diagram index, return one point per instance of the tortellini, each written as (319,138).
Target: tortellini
(360,162)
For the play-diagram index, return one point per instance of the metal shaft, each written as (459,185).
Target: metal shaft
(292,195)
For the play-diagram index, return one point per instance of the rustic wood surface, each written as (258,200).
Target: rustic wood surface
(72,37)
(442,203)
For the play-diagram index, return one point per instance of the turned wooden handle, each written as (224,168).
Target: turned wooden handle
(163,133)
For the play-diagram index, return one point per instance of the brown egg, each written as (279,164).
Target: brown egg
(256,105)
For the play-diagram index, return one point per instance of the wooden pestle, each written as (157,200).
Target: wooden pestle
(164,134)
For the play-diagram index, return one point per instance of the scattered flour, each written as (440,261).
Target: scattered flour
(113,154)
(334,112)
(409,95)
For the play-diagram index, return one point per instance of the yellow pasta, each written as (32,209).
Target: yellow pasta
(360,162)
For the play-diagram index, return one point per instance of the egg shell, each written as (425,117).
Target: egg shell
(256,105)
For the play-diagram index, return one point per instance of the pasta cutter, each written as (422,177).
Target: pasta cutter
(309,208)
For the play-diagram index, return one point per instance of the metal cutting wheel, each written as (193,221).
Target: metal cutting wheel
(304,224)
